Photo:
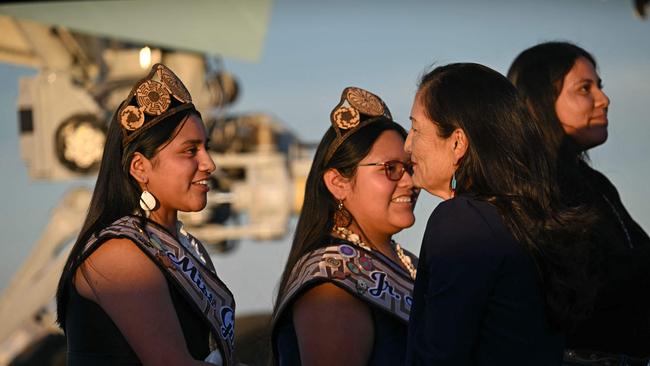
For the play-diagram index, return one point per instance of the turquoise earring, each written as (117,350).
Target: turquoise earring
(453,185)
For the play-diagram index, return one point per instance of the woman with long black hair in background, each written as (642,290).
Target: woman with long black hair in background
(560,85)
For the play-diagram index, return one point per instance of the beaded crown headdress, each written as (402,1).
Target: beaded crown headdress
(357,108)
(154,98)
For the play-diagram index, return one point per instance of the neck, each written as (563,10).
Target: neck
(166,220)
(442,194)
(379,241)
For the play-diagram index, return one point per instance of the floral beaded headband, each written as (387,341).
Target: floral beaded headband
(158,96)
(357,108)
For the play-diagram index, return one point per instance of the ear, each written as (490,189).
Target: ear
(139,168)
(460,144)
(337,184)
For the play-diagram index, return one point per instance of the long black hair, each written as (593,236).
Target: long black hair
(538,74)
(116,192)
(317,215)
(506,165)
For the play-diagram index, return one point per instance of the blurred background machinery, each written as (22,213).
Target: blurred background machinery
(63,112)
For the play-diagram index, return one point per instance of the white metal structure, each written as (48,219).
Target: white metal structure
(63,112)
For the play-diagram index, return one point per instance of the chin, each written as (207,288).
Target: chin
(593,142)
(195,207)
(405,223)
(417,182)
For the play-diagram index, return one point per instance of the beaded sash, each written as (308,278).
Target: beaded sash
(198,282)
(365,274)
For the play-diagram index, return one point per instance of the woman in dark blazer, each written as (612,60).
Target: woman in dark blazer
(492,285)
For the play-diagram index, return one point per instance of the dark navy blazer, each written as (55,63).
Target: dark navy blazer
(477,299)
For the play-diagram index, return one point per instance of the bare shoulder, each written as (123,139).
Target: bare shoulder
(327,295)
(117,265)
(333,327)
(133,292)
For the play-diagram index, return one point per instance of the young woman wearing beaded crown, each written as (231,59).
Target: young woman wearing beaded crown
(344,297)
(137,288)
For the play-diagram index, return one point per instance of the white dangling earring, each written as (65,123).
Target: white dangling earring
(147,201)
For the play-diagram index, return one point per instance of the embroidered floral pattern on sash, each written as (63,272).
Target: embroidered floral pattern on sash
(360,272)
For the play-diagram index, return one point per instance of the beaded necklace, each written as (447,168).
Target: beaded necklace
(354,238)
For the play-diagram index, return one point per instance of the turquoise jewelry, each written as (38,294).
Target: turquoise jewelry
(453,185)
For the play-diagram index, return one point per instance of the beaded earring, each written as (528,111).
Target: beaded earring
(342,217)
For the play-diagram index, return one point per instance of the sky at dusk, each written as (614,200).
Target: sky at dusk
(314,49)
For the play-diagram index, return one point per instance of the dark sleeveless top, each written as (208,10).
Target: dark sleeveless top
(391,328)
(94,339)
(389,347)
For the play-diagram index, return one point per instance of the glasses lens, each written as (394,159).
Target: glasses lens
(394,169)
(409,168)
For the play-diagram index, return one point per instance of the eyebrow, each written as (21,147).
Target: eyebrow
(195,142)
(589,80)
(386,158)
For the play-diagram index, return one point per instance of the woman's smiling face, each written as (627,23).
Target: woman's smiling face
(432,155)
(378,204)
(180,170)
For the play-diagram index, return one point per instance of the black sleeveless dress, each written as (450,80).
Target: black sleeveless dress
(94,339)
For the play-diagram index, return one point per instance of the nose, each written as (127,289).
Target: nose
(407,143)
(602,100)
(206,164)
(407,180)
